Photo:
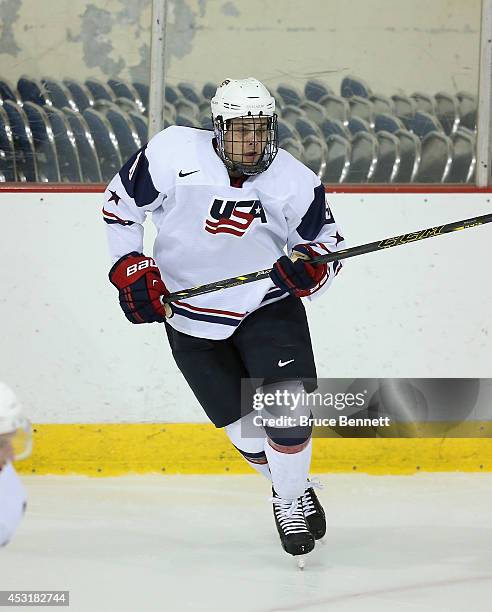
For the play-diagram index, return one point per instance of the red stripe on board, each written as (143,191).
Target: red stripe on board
(341,188)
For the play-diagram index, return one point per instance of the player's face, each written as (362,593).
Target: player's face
(246,139)
(6,448)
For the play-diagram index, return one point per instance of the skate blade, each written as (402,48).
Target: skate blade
(301,561)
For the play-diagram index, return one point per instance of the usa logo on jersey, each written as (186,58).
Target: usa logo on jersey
(233,217)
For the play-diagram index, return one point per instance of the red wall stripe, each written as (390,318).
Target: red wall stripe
(359,188)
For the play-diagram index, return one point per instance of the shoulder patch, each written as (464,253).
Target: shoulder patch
(136,179)
(316,216)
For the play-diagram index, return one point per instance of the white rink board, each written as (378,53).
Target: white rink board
(421,310)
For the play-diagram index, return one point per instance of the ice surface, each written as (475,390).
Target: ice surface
(178,543)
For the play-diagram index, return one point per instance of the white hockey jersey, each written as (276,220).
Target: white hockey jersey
(12,502)
(208,230)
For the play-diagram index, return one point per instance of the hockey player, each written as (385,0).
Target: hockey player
(15,443)
(226,203)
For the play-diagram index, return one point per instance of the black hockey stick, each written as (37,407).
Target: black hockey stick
(430,232)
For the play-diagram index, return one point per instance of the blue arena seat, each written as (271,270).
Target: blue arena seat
(293,146)
(384,122)
(388,163)
(286,130)
(354,86)
(289,94)
(447,112)
(364,158)
(467,108)
(189,91)
(464,157)
(355,125)
(25,158)
(335,107)
(329,127)
(89,163)
(99,90)
(141,125)
(106,143)
(315,154)
(208,90)
(58,93)
(171,93)
(124,90)
(404,107)
(314,111)
(126,134)
(306,127)
(186,108)
(81,95)
(315,89)
(143,91)
(44,143)
(66,146)
(382,104)
(362,108)
(424,123)
(410,152)
(31,90)
(424,102)
(7,154)
(337,160)
(436,158)
(9,92)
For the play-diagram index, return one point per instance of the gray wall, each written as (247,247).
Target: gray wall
(407,45)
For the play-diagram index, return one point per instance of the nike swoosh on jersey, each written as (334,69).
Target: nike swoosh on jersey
(183,174)
(281,363)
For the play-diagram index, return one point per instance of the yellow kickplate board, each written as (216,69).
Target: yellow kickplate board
(195,448)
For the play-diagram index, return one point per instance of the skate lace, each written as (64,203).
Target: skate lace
(307,500)
(290,515)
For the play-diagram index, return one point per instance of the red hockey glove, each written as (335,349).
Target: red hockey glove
(139,282)
(296,275)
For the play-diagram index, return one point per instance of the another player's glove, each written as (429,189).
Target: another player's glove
(139,282)
(295,274)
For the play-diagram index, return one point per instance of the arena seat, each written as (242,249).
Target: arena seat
(356,124)
(7,154)
(44,143)
(337,159)
(329,127)
(58,93)
(436,158)
(382,104)
(141,125)
(81,95)
(122,89)
(126,134)
(424,102)
(388,163)
(289,94)
(189,92)
(31,90)
(315,154)
(354,86)
(25,158)
(65,145)
(387,123)
(89,162)
(315,89)
(314,111)
(335,107)
(107,149)
(410,152)
(447,112)
(208,90)
(9,92)
(99,90)
(362,108)
(467,108)
(364,158)
(464,162)
(143,91)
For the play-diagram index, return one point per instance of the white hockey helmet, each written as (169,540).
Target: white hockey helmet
(248,99)
(13,421)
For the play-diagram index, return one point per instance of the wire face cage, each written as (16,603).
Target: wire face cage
(247,144)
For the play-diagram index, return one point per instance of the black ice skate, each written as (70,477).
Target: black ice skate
(292,528)
(313,510)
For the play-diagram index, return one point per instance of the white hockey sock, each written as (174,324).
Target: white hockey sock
(289,470)
(251,448)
